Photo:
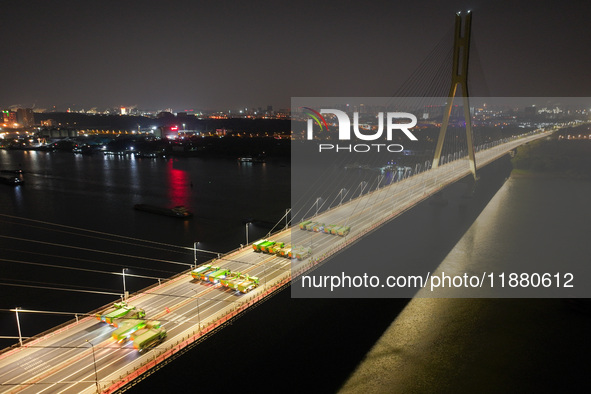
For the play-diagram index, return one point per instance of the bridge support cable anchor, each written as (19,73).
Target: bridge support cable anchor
(461,54)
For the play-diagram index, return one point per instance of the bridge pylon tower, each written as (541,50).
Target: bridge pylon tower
(461,54)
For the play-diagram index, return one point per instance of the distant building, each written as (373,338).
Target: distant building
(25,117)
(49,123)
(9,118)
(170,132)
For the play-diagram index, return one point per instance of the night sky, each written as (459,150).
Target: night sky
(229,54)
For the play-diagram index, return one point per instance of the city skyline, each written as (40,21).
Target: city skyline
(227,55)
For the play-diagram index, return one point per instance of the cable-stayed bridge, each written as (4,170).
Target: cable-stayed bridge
(82,356)
(77,356)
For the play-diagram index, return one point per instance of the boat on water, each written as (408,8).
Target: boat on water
(11,180)
(250,159)
(148,154)
(177,212)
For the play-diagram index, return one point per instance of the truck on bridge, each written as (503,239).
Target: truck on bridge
(300,252)
(256,245)
(197,271)
(116,306)
(249,284)
(203,274)
(230,280)
(276,248)
(265,246)
(127,328)
(328,229)
(284,252)
(262,245)
(310,226)
(149,336)
(241,282)
(119,311)
(318,228)
(216,276)
(130,312)
(304,224)
(344,230)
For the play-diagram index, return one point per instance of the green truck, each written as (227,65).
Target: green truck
(334,230)
(310,226)
(304,224)
(267,246)
(196,273)
(344,230)
(127,328)
(233,279)
(303,253)
(318,228)
(284,252)
(250,283)
(216,276)
(241,282)
(126,311)
(256,246)
(300,252)
(130,312)
(149,336)
(204,274)
(328,229)
(276,248)
(264,247)
(116,306)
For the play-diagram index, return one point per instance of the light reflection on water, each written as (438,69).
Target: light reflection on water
(178,184)
(96,191)
(532,225)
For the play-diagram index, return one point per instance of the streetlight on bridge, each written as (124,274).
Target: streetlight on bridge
(95,373)
(195,253)
(246,227)
(18,325)
(125,294)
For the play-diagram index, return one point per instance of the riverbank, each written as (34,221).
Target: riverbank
(555,157)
